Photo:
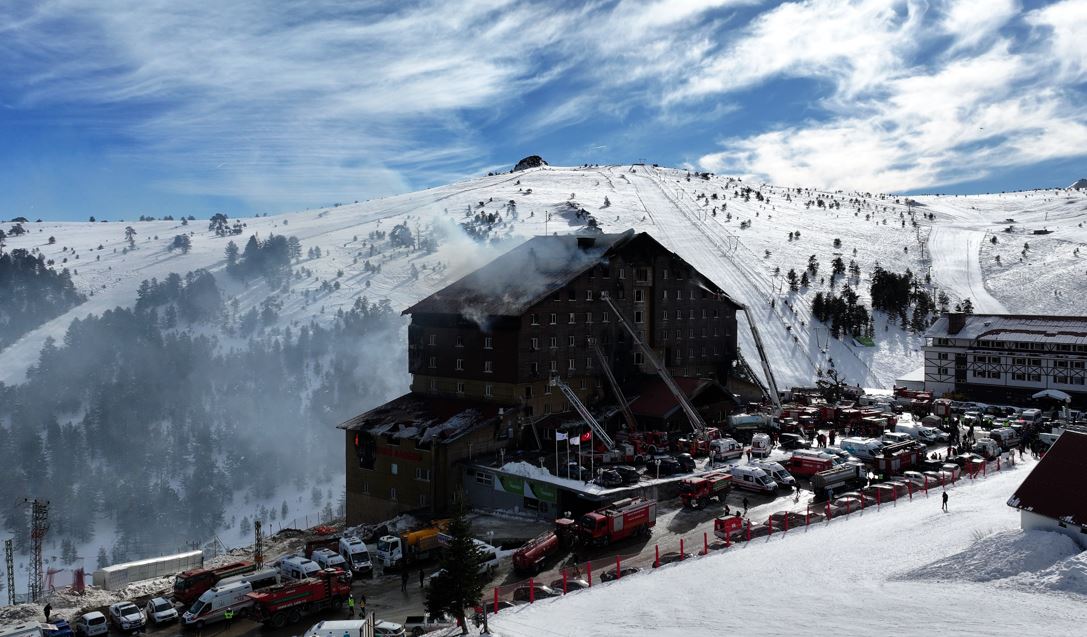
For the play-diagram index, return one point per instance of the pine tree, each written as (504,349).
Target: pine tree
(461,583)
(791,276)
(103,557)
(804,279)
(231,253)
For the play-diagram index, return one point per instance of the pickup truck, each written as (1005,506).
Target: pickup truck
(416,625)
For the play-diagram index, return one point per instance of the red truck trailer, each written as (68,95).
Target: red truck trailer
(697,491)
(617,521)
(285,604)
(530,557)
(191,584)
(331,543)
(807,464)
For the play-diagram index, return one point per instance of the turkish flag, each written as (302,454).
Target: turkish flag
(587,436)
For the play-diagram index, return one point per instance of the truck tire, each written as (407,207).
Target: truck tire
(279,620)
(200,625)
(416,632)
(294,616)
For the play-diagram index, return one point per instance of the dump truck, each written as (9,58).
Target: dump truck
(696,492)
(411,546)
(615,522)
(285,604)
(826,482)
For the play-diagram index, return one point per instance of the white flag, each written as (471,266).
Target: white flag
(575,440)
(561,435)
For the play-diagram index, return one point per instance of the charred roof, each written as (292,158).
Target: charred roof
(517,280)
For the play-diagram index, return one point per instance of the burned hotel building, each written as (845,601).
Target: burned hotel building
(483,350)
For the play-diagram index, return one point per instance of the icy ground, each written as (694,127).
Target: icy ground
(907,570)
(955,244)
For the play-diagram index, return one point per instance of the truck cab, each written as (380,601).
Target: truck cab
(297,567)
(760,445)
(354,552)
(725,449)
(777,472)
(327,558)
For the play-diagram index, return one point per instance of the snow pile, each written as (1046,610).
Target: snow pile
(846,578)
(527,470)
(999,556)
(1065,576)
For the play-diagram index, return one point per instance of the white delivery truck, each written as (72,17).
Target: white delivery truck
(354,628)
(862,448)
(327,558)
(296,567)
(773,469)
(215,602)
(726,449)
(354,551)
(760,445)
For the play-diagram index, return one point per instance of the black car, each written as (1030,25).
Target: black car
(608,576)
(629,474)
(686,462)
(666,467)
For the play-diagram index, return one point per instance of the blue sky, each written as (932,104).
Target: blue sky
(116,109)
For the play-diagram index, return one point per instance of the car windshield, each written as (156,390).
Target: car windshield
(384,545)
(162,605)
(197,607)
(360,556)
(95,621)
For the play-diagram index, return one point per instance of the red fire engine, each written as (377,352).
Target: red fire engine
(696,492)
(286,603)
(191,584)
(615,522)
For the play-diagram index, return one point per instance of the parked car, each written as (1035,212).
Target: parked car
(686,462)
(609,478)
(61,628)
(629,474)
(667,466)
(914,477)
(384,628)
(160,611)
(491,610)
(793,441)
(91,624)
(572,584)
(127,616)
(849,502)
(608,576)
(522,594)
(416,625)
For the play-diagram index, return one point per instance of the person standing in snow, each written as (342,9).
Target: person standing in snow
(945,500)
(48,610)
(745,505)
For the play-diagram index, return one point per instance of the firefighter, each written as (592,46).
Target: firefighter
(351,605)
(228,615)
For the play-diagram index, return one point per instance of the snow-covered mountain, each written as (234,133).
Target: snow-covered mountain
(736,237)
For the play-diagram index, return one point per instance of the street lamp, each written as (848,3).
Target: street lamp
(657,461)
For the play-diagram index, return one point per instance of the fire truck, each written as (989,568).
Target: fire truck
(191,584)
(285,604)
(896,458)
(696,492)
(615,522)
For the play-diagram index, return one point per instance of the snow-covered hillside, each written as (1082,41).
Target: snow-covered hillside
(739,247)
(908,570)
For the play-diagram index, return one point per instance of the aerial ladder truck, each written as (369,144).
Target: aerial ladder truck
(771,384)
(614,452)
(701,430)
(628,415)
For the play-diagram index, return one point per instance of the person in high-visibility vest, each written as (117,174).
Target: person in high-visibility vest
(351,605)
(228,614)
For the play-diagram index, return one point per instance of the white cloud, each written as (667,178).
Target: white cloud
(974,22)
(1067,37)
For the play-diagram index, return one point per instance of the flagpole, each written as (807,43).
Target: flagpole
(556,452)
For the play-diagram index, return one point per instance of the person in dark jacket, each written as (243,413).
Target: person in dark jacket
(745,505)
(404,580)
(945,500)
(420,577)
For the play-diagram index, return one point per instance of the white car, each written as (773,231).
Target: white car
(388,629)
(160,611)
(91,624)
(127,616)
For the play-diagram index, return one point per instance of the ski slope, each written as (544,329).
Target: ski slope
(909,570)
(739,248)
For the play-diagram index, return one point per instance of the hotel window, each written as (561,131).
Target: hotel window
(638,316)
(679,315)
(547,387)
(528,391)
(679,295)
(641,274)
(603,317)
(664,273)
(422,474)
(460,387)
(573,318)
(716,314)
(639,296)
(460,365)
(432,339)
(433,385)
(622,273)
(554,366)
(553,342)
(488,342)
(488,390)
(589,362)
(690,295)
(534,319)
(692,314)
(664,315)
(432,362)
(488,367)
(639,358)
(621,293)
(460,341)
(703,313)
(1063,380)
(485,478)
(547,408)
(534,368)
(535,344)
(423,500)
(943,356)
(570,364)
(665,295)
(604,294)
(554,318)
(588,295)
(571,294)
(392,494)
(571,341)
(1019,376)
(588,317)
(393,468)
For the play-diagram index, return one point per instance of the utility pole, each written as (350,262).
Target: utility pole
(258,544)
(39,525)
(9,560)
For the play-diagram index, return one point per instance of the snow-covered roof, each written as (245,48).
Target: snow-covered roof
(1054,488)
(1016,328)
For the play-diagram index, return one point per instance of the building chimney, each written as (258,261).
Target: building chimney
(955,322)
(584,243)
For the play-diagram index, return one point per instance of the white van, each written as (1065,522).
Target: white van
(297,567)
(895,437)
(91,624)
(354,551)
(215,602)
(488,556)
(726,449)
(760,445)
(1031,415)
(863,448)
(777,472)
(354,628)
(910,428)
(753,479)
(327,558)
(1006,437)
(32,629)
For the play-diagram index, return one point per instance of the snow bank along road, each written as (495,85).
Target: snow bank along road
(849,577)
